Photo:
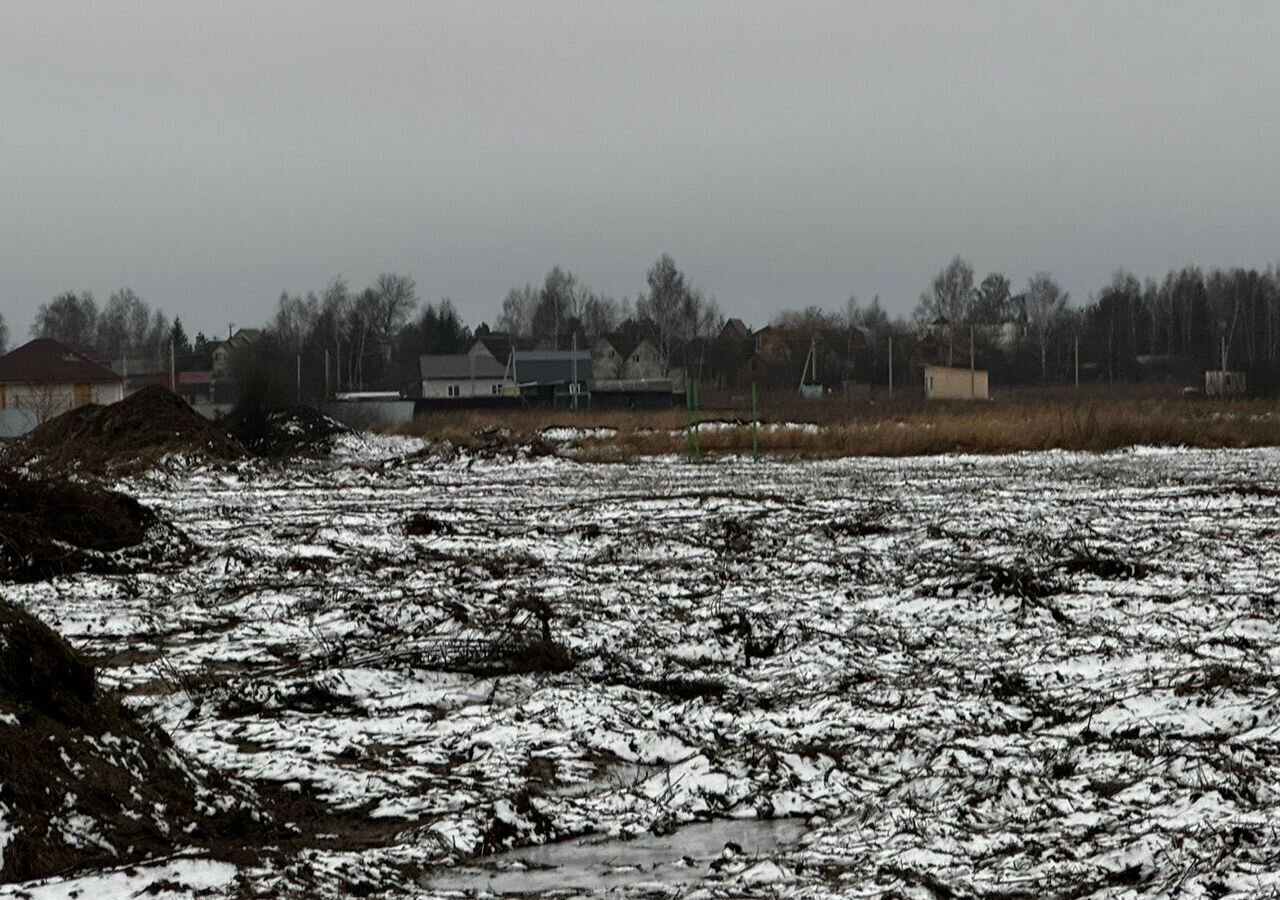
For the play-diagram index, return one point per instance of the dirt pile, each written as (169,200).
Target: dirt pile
(294,431)
(82,781)
(50,527)
(128,436)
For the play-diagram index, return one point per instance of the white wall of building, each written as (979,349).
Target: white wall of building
(460,388)
(953,383)
(32,404)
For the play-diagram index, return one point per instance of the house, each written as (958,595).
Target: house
(225,351)
(196,387)
(955,383)
(784,357)
(141,371)
(497,345)
(461,376)
(622,357)
(44,378)
(551,376)
(734,330)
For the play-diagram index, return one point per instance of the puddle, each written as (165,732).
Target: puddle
(596,863)
(617,776)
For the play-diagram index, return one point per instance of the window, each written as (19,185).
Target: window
(495,389)
(455,390)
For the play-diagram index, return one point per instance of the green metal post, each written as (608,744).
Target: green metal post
(697,434)
(689,430)
(755,423)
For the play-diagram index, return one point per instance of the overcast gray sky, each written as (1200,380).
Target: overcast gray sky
(210,153)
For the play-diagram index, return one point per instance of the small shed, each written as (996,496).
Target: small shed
(650,393)
(954,383)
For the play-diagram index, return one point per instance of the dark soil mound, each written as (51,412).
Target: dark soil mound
(50,527)
(127,436)
(294,431)
(82,781)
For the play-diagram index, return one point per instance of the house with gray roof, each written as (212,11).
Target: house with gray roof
(551,376)
(461,376)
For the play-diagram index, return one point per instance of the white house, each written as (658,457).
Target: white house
(44,378)
(461,376)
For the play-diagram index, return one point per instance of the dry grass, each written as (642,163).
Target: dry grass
(1040,420)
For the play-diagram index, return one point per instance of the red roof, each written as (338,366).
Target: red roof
(47,360)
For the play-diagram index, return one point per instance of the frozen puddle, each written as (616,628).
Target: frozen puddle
(616,776)
(596,863)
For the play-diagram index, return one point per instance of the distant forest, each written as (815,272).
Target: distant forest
(370,338)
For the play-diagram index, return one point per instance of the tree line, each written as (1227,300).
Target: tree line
(371,338)
(1171,329)
(340,339)
(126,327)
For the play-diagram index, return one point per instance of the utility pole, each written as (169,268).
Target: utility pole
(973,375)
(573,357)
(173,375)
(1077,361)
(890,366)
(755,423)
(299,376)
(326,374)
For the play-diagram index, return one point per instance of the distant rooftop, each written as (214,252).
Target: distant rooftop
(45,360)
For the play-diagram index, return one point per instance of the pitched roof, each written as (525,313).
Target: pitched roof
(499,344)
(459,366)
(622,343)
(44,360)
(242,337)
(552,366)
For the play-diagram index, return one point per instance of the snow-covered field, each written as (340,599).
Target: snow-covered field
(1040,675)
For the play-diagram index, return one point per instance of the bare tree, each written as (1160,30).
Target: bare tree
(812,318)
(124,325)
(662,309)
(600,315)
(394,299)
(949,301)
(43,400)
(333,323)
(516,318)
(159,334)
(68,318)
(1046,305)
(993,300)
(364,314)
(673,312)
(294,320)
(559,310)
